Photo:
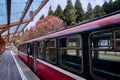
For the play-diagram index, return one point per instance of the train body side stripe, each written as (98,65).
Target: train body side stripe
(61,70)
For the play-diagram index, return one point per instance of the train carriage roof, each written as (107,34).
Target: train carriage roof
(83,27)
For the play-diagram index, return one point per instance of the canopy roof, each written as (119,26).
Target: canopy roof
(15,15)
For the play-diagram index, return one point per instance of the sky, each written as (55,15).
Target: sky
(62,3)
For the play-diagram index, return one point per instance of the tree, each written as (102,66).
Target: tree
(58,12)
(108,7)
(43,26)
(98,11)
(110,0)
(27,35)
(50,12)
(79,11)
(47,25)
(89,14)
(89,7)
(111,6)
(116,5)
(42,17)
(69,13)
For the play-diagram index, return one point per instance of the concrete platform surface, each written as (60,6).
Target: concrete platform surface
(12,68)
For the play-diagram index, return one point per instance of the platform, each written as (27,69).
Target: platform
(12,68)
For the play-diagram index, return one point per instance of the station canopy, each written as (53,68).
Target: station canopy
(15,15)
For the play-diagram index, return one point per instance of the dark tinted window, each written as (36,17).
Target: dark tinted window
(70,53)
(50,51)
(105,51)
(23,48)
(73,42)
(40,49)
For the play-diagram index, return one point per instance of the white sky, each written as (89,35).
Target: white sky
(54,4)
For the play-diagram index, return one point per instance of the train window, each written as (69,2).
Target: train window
(50,43)
(35,48)
(103,40)
(104,46)
(23,48)
(117,36)
(63,42)
(73,42)
(105,53)
(50,51)
(29,49)
(70,53)
(19,48)
(40,50)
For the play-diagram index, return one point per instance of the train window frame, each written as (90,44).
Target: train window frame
(113,31)
(41,50)
(26,48)
(73,37)
(109,47)
(116,44)
(29,51)
(32,49)
(23,48)
(70,68)
(35,48)
(50,59)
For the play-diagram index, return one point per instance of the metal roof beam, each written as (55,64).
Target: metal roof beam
(26,9)
(8,10)
(11,33)
(8,15)
(14,23)
(8,33)
(3,30)
(23,15)
(21,30)
(41,6)
(3,39)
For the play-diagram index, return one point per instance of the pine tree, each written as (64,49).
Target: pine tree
(69,13)
(58,12)
(108,7)
(110,0)
(42,17)
(98,11)
(50,12)
(89,7)
(89,14)
(116,5)
(105,7)
(79,11)
(111,6)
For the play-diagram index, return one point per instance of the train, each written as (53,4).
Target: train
(86,51)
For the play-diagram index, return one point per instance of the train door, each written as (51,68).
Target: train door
(28,52)
(35,55)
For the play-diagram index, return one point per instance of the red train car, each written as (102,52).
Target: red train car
(89,51)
